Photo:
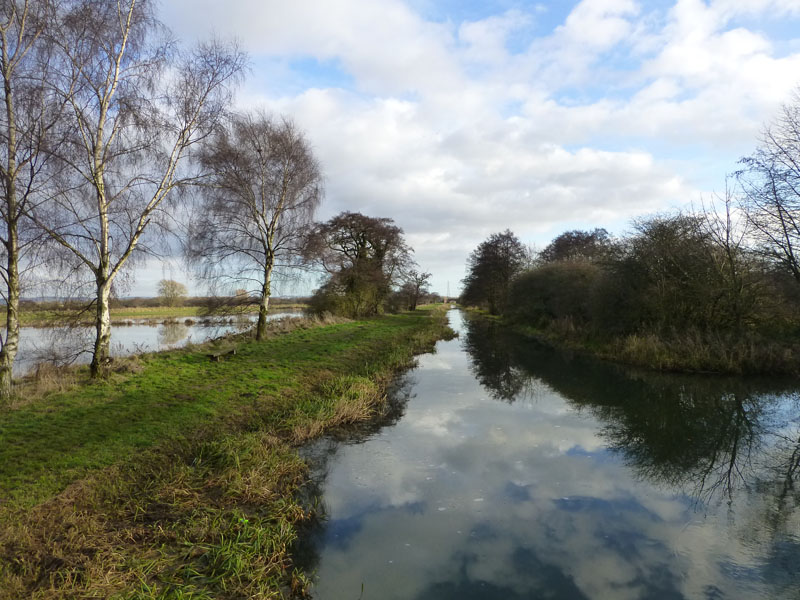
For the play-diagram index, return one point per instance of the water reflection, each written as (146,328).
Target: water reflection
(586,481)
(172,333)
(73,345)
(712,434)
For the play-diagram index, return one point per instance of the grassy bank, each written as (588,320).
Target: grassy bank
(177,477)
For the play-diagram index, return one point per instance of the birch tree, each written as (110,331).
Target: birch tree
(136,104)
(264,185)
(28,117)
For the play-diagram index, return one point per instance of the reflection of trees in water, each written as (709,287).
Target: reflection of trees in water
(171,333)
(778,484)
(691,435)
(58,346)
(700,437)
(712,436)
(493,363)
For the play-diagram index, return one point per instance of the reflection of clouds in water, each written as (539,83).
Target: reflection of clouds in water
(470,498)
(582,538)
(435,362)
(494,454)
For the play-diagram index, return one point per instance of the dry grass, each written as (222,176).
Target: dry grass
(698,351)
(219,513)
(45,380)
(689,350)
(339,401)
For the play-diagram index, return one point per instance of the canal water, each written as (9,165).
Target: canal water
(73,345)
(509,471)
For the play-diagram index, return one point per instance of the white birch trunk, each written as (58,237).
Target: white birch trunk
(263,307)
(102,343)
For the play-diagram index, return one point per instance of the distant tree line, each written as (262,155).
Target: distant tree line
(113,135)
(716,288)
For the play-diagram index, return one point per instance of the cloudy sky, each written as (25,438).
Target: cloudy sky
(461,118)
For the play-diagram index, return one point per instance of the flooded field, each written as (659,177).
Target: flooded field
(65,345)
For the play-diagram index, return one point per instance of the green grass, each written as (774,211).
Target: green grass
(179,481)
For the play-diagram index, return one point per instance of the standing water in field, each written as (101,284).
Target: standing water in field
(72,345)
(513,471)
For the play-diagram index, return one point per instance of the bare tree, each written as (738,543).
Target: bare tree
(738,285)
(135,106)
(416,284)
(771,182)
(171,292)
(28,117)
(264,185)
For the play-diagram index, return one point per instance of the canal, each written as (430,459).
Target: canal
(508,470)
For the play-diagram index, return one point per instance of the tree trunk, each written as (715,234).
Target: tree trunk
(263,307)
(9,351)
(102,342)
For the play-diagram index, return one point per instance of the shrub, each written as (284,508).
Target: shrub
(555,291)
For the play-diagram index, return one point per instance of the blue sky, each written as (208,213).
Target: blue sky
(459,119)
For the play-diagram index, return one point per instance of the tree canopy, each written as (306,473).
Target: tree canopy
(171,292)
(491,268)
(364,257)
(578,245)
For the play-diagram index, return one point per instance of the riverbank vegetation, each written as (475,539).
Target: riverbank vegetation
(669,295)
(177,477)
(709,289)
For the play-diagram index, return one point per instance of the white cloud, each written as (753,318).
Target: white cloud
(599,24)
(382,43)
(616,111)
(728,9)
(485,41)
